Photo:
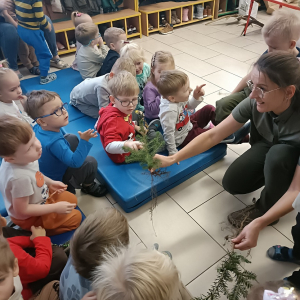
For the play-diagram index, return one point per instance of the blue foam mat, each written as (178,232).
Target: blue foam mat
(131,186)
(66,80)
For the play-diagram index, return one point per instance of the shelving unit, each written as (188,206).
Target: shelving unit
(150,13)
(223,4)
(65,31)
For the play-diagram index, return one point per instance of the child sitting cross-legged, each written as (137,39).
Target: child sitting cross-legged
(25,189)
(64,158)
(89,57)
(27,276)
(179,128)
(136,274)
(115,125)
(101,230)
(136,54)
(92,94)
(115,39)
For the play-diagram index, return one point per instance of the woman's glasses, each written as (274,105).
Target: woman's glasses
(260,93)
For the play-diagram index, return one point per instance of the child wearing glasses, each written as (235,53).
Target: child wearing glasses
(11,94)
(89,57)
(115,125)
(64,158)
(26,191)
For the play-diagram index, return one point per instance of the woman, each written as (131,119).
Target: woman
(274,110)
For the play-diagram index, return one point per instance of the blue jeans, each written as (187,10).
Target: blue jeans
(36,39)
(50,37)
(9,43)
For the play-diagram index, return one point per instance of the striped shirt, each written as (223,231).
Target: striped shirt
(30,14)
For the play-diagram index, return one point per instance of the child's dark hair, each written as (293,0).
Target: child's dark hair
(283,69)
(35,101)
(101,230)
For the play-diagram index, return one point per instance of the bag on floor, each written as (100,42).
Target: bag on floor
(244,8)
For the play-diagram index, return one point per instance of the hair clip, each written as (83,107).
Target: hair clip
(284,293)
(78,14)
(1,66)
(153,60)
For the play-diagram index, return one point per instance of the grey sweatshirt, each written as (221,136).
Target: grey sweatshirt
(175,121)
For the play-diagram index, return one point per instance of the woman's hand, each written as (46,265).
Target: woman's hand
(165,161)
(247,239)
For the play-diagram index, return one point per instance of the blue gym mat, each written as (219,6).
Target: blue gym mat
(66,80)
(129,184)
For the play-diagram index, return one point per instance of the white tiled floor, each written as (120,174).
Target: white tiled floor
(187,219)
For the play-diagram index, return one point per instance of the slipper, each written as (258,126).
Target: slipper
(35,71)
(275,253)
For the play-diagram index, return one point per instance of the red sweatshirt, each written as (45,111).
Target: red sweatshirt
(31,268)
(114,126)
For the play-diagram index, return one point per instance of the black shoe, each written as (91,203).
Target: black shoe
(95,189)
(154,125)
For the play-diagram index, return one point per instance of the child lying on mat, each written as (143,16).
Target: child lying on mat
(64,158)
(92,94)
(25,189)
(115,125)
(101,230)
(27,265)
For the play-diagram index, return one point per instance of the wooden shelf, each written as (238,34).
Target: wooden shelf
(129,15)
(150,13)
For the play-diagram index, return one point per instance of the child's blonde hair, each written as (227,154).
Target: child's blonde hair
(13,132)
(4,70)
(35,101)
(134,52)
(78,18)
(257,291)
(103,229)
(170,82)
(283,23)
(134,274)
(111,35)
(160,57)
(123,64)
(85,32)
(123,84)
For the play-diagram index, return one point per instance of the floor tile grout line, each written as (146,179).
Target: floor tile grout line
(283,234)
(137,236)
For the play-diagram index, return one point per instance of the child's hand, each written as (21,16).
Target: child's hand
(138,129)
(87,135)
(100,41)
(57,186)
(36,232)
(49,27)
(135,145)
(63,207)
(199,92)
(89,296)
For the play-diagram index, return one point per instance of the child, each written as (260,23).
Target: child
(135,274)
(89,58)
(281,32)
(63,158)
(26,53)
(92,94)
(115,125)
(78,18)
(101,230)
(136,53)
(179,128)
(115,39)
(11,94)
(161,61)
(25,189)
(30,21)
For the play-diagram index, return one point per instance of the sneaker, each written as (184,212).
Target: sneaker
(34,71)
(50,77)
(58,63)
(167,30)
(60,46)
(21,76)
(243,217)
(168,253)
(150,27)
(154,125)
(95,189)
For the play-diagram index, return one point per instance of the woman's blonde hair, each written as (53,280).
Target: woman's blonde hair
(78,18)
(135,274)
(4,70)
(160,57)
(134,52)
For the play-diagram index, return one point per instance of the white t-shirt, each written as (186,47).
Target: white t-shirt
(18,289)
(21,181)
(15,109)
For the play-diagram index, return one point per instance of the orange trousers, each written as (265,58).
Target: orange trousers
(54,223)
